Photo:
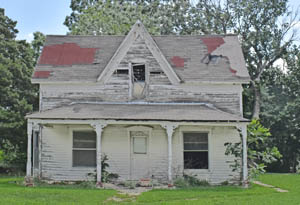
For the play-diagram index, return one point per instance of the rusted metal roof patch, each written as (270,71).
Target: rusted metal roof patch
(41,74)
(177,61)
(212,43)
(67,54)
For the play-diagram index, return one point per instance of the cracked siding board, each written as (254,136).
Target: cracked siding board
(224,97)
(58,95)
(57,156)
(140,53)
(57,153)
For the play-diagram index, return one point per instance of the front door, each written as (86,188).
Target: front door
(139,166)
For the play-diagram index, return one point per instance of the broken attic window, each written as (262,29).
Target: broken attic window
(139,72)
(211,59)
(121,72)
(195,150)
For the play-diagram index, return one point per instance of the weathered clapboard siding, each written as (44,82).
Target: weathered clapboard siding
(56,156)
(139,53)
(224,97)
(58,95)
(57,153)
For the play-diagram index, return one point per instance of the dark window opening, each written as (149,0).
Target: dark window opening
(156,72)
(121,72)
(139,73)
(211,59)
(195,160)
(84,149)
(195,150)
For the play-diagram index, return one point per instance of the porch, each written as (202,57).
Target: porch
(135,148)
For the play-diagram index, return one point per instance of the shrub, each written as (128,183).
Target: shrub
(189,181)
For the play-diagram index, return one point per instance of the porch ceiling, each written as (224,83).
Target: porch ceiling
(161,112)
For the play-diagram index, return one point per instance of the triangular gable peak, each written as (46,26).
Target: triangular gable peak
(137,30)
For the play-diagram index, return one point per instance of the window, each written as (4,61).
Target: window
(84,149)
(119,72)
(195,150)
(140,145)
(138,72)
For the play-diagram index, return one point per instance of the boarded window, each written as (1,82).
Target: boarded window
(139,73)
(195,150)
(139,145)
(84,149)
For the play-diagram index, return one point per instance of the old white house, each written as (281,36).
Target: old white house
(157,106)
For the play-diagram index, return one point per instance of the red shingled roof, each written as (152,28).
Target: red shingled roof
(177,61)
(212,43)
(67,54)
(41,74)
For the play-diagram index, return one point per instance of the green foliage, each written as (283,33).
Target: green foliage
(281,111)
(105,175)
(258,154)
(10,155)
(37,44)
(189,181)
(116,17)
(18,96)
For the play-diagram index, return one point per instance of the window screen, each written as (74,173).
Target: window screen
(139,145)
(84,149)
(195,150)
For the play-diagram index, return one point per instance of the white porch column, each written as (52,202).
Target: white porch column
(170,130)
(99,128)
(29,139)
(245,164)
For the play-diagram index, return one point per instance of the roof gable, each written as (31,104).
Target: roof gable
(138,30)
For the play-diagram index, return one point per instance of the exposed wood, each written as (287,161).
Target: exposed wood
(138,30)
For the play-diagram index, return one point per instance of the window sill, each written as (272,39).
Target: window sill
(197,170)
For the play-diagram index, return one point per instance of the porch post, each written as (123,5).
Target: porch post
(245,166)
(170,130)
(29,139)
(98,128)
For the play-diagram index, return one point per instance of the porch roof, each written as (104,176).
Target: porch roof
(131,111)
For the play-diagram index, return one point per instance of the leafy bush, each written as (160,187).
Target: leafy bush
(105,175)
(189,181)
(258,154)
(10,154)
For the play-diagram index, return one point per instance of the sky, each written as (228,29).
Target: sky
(46,16)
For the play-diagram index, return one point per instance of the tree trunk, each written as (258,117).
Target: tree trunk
(257,100)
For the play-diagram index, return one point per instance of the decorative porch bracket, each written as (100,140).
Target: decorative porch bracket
(98,129)
(31,127)
(170,127)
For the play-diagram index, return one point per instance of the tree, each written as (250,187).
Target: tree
(37,44)
(264,38)
(116,17)
(258,155)
(281,111)
(17,95)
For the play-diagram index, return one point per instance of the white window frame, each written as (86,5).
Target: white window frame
(194,129)
(84,149)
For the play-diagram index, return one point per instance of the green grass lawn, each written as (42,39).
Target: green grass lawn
(14,193)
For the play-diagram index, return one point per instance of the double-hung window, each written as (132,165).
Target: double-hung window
(84,149)
(195,150)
